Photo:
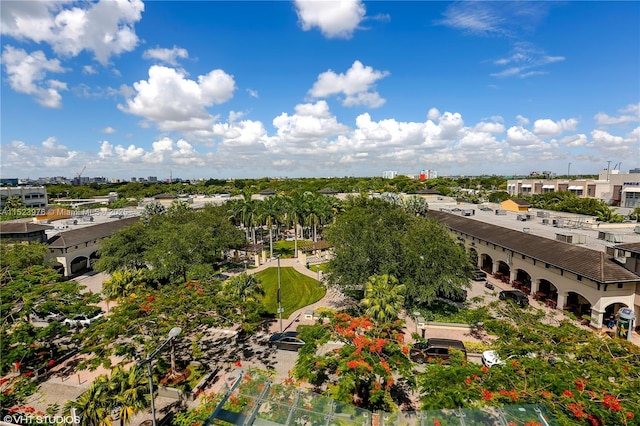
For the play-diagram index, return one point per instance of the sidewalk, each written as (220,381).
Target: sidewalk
(332,299)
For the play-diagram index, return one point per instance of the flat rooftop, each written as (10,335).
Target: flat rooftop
(568,223)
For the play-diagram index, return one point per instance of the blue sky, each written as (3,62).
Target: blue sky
(318,88)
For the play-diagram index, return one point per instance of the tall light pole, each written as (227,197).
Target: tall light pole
(175,331)
(568,170)
(279,295)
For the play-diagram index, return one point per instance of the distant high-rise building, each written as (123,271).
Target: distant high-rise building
(152,179)
(134,179)
(428,174)
(389,174)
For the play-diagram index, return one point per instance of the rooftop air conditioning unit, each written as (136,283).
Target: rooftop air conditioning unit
(609,237)
(571,238)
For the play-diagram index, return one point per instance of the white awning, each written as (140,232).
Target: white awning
(525,185)
(576,188)
(548,187)
(631,189)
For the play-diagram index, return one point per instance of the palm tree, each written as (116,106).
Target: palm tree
(178,206)
(326,209)
(122,283)
(270,213)
(14,202)
(383,298)
(311,216)
(245,286)
(92,407)
(244,212)
(130,393)
(296,208)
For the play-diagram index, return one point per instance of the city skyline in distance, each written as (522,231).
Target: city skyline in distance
(318,89)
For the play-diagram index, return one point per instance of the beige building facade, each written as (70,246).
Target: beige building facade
(612,186)
(588,283)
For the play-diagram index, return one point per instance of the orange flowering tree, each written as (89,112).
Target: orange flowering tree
(363,369)
(580,377)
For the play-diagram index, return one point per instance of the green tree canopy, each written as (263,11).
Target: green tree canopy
(373,237)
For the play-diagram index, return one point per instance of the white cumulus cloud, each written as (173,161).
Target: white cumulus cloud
(168,56)
(335,18)
(27,74)
(628,114)
(105,28)
(546,127)
(175,102)
(357,85)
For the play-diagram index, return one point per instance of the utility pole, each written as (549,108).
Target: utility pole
(279,296)
(608,165)
(569,171)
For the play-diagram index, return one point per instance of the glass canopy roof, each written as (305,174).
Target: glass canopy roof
(252,399)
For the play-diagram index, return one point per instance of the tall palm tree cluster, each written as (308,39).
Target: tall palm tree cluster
(112,399)
(307,213)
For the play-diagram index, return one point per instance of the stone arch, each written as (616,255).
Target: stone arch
(577,304)
(522,280)
(546,292)
(78,264)
(486,263)
(611,311)
(504,268)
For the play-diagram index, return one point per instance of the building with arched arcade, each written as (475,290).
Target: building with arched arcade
(564,276)
(76,250)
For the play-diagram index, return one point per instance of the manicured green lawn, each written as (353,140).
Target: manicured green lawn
(284,248)
(319,267)
(297,290)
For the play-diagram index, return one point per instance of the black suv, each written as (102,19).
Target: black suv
(516,296)
(430,349)
(479,275)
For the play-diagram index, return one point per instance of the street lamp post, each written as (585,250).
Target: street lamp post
(279,295)
(175,331)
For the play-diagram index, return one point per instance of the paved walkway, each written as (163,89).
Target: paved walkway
(332,299)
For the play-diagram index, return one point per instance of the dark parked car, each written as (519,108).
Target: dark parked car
(479,275)
(516,296)
(288,341)
(430,349)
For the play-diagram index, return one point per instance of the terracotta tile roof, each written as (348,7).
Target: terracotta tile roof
(22,227)
(89,233)
(593,264)
(632,247)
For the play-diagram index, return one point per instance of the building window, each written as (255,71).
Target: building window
(619,285)
(579,278)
